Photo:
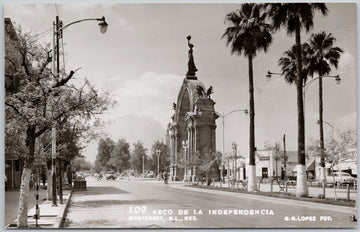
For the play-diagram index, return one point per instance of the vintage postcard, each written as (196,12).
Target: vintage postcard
(180,115)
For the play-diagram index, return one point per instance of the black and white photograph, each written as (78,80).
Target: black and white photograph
(185,115)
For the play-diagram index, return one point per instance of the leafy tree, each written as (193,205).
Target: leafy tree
(164,158)
(247,34)
(120,156)
(80,164)
(207,164)
(31,93)
(295,17)
(337,148)
(137,155)
(105,148)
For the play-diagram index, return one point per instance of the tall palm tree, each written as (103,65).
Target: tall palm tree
(288,64)
(247,34)
(322,55)
(296,17)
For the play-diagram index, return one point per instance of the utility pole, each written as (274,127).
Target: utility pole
(158,167)
(58,31)
(143,171)
(223,151)
(284,157)
(276,160)
(53,171)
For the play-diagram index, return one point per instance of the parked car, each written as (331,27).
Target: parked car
(149,174)
(111,175)
(338,178)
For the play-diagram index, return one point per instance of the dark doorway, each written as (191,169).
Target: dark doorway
(264,173)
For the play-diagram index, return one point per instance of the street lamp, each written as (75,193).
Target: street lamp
(305,87)
(234,147)
(329,124)
(307,84)
(158,156)
(185,145)
(57,32)
(143,166)
(223,152)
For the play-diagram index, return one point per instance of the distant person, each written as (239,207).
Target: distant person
(43,177)
(166,179)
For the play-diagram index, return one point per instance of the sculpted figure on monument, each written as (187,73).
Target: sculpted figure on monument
(191,65)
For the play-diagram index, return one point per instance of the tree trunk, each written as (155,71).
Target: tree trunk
(49,181)
(66,173)
(301,183)
(60,182)
(321,127)
(22,215)
(69,174)
(252,176)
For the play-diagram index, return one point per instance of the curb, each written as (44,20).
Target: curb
(323,206)
(64,212)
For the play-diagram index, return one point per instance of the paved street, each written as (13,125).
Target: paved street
(149,204)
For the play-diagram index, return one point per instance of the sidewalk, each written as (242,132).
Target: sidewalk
(337,208)
(313,191)
(50,216)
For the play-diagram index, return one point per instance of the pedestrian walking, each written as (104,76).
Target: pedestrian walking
(43,177)
(166,179)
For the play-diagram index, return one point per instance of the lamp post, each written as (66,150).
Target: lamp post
(158,167)
(305,88)
(223,142)
(57,32)
(285,158)
(143,166)
(234,148)
(53,164)
(185,145)
(330,125)
(307,84)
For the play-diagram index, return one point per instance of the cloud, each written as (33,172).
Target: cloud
(347,121)
(346,60)
(151,94)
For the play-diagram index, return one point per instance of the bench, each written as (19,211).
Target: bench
(291,183)
(79,184)
(282,185)
(243,184)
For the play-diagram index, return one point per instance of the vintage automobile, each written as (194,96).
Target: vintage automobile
(110,175)
(340,178)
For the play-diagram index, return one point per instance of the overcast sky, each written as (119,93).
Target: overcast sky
(142,61)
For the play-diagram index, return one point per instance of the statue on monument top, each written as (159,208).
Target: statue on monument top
(191,65)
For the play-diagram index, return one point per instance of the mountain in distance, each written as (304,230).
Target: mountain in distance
(134,128)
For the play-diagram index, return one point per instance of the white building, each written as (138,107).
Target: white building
(270,164)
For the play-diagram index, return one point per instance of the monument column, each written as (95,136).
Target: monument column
(171,155)
(175,152)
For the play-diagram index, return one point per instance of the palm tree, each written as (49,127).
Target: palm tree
(288,64)
(322,55)
(296,17)
(247,34)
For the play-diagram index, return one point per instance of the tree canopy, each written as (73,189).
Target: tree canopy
(119,158)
